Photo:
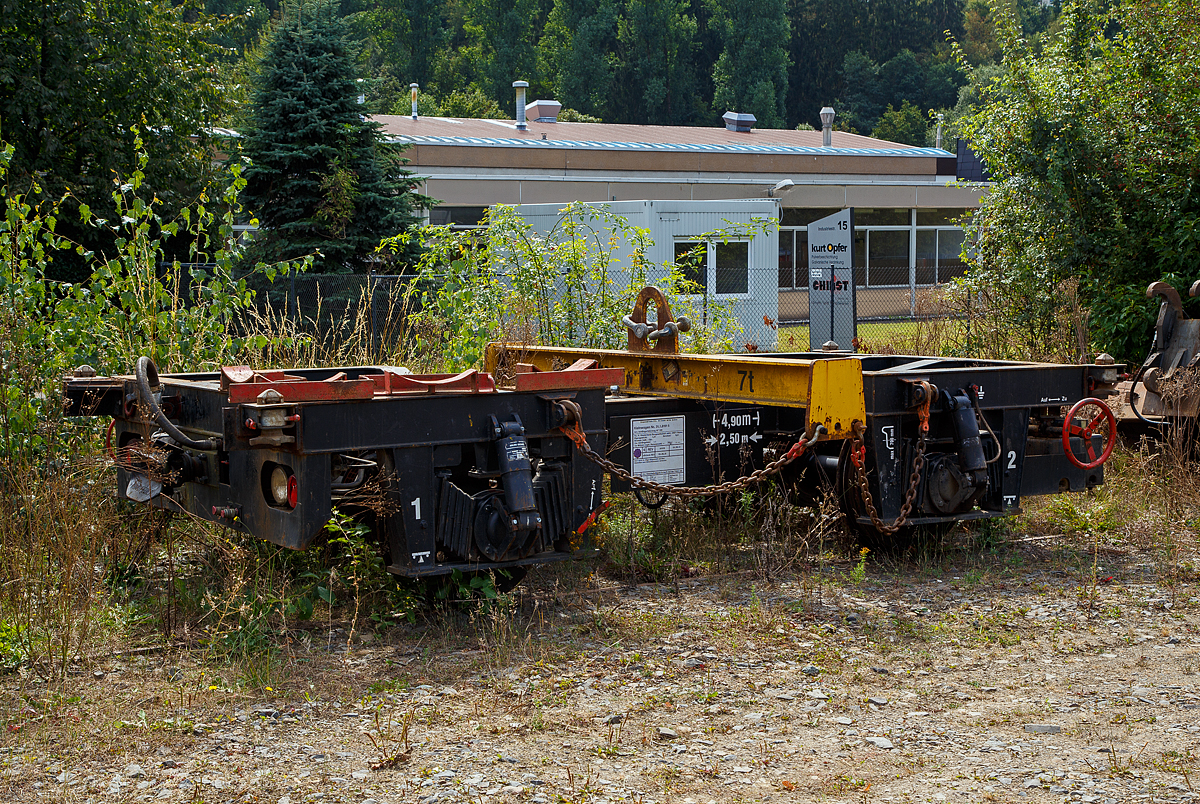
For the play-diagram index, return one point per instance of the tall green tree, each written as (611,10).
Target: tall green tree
(578,54)
(79,79)
(659,80)
(751,74)
(905,124)
(502,45)
(321,177)
(401,39)
(1095,143)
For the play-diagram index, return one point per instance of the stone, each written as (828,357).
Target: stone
(613,720)
(878,701)
(879,742)
(1043,728)
(667,734)
(818,695)
(811,670)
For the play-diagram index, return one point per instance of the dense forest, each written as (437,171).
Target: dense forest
(94,91)
(883,64)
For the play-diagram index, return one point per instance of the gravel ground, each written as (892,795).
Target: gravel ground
(1026,677)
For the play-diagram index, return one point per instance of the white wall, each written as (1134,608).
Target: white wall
(670,221)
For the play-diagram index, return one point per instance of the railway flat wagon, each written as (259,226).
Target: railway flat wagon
(504,468)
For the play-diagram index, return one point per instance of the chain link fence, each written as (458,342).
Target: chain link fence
(370,313)
(893,319)
(374,312)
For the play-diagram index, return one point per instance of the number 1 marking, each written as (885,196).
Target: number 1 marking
(417,505)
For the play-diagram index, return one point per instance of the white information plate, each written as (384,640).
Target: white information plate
(656,449)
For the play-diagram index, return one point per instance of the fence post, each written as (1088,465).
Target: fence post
(374,326)
(970,317)
(291,307)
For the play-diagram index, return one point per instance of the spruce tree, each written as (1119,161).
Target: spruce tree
(322,178)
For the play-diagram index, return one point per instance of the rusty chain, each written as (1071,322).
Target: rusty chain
(859,459)
(574,431)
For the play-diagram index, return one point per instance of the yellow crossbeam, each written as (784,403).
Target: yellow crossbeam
(831,390)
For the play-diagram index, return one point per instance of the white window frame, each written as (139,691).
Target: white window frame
(710,267)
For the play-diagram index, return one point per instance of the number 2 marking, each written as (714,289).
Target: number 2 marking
(746,375)
(1012,459)
(417,505)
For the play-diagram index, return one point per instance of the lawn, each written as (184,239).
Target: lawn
(908,336)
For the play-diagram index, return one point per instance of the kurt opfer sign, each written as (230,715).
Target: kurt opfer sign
(831,301)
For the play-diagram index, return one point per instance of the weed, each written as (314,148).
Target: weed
(858,572)
(391,739)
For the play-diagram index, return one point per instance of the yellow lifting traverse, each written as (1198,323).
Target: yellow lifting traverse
(943,438)
(830,390)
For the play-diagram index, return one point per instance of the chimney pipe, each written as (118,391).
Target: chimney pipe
(520,87)
(827,115)
(413,89)
(938,143)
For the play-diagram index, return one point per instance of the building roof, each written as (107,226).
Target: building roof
(622,137)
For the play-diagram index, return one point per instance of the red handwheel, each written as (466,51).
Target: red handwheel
(1086,432)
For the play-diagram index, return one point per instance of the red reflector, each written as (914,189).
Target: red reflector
(293,491)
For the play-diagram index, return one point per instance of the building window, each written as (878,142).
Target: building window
(457,217)
(793,259)
(881,217)
(802,216)
(732,267)
(719,268)
(887,257)
(940,216)
(950,261)
(882,246)
(691,256)
(787,259)
(939,256)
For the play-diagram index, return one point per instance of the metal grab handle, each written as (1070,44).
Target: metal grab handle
(671,328)
(641,330)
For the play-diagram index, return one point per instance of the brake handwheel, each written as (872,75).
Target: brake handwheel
(1085,432)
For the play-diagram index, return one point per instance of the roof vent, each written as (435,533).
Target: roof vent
(543,111)
(520,87)
(739,122)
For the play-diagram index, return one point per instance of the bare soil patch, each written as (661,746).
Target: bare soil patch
(1039,671)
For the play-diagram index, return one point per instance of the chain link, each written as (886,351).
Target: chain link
(859,459)
(574,432)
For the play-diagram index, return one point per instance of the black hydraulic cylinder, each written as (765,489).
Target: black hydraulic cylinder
(966,433)
(516,476)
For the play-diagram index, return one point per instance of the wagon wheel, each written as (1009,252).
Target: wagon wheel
(1103,416)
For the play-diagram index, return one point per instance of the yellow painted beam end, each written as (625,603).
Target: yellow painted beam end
(835,396)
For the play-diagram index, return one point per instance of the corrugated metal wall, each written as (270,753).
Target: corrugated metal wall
(670,221)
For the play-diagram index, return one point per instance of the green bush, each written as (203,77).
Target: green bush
(508,282)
